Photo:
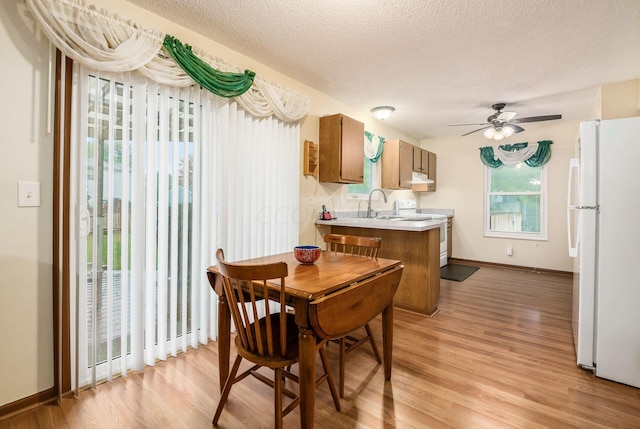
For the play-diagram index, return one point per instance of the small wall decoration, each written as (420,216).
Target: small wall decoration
(310,159)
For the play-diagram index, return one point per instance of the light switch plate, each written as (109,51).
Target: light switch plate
(28,194)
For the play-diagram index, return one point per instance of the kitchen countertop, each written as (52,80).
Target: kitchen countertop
(385,221)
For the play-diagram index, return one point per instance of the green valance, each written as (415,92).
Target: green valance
(373,146)
(224,84)
(534,155)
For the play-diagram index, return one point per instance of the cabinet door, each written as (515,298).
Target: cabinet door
(341,150)
(424,156)
(352,154)
(420,160)
(417,159)
(432,170)
(406,164)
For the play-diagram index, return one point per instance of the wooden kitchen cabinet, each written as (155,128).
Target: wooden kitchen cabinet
(432,172)
(341,149)
(397,165)
(429,159)
(420,160)
(419,251)
(400,160)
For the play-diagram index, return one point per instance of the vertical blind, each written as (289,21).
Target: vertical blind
(258,196)
(164,176)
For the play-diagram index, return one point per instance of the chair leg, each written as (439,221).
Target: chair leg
(278,397)
(343,353)
(330,380)
(373,343)
(227,388)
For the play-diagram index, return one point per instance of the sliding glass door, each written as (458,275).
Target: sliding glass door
(142,295)
(163,176)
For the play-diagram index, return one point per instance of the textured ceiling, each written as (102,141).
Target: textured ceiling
(438,62)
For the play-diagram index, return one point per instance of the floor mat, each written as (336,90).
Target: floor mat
(457,272)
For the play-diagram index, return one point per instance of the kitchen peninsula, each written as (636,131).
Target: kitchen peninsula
(414,241)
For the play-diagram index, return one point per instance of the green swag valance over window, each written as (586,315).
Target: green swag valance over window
(533,155)
(102,40)
(373,146)
(224,84)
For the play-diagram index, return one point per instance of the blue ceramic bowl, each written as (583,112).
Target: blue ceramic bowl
(306,254)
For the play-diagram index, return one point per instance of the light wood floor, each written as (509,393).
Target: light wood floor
(499,354)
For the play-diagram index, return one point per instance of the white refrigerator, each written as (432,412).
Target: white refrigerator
(604,238)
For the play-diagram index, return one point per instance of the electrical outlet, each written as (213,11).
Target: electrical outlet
(509,250)
(310,201)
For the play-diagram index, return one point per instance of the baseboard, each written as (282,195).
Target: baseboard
(509,267)
(27,403)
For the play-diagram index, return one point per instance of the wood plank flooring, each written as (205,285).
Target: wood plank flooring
(499,354)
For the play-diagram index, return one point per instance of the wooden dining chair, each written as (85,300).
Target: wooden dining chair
(269,341)
(362,246)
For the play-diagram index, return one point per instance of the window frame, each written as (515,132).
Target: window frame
(536,236)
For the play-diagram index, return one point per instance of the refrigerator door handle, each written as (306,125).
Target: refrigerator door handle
(574,164)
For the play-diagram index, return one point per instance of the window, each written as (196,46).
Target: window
(371,181)
(515,203)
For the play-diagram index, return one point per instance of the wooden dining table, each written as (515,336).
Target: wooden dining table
(332,297)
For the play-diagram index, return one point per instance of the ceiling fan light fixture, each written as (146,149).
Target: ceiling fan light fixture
(499,133)
(382,112)
(489,133)
(507,131)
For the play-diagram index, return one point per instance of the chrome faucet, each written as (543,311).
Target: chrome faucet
(371,193)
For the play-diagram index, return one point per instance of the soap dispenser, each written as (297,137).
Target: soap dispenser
(325,214)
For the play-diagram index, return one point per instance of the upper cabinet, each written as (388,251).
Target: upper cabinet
(341,149)
(432,171)
(400,160)
(397,165)
(420,160)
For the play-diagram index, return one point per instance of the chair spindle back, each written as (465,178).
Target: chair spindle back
(249,286)
(353,245)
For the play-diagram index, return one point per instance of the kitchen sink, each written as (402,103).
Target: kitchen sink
(413,218)
(390,217)
(394,218)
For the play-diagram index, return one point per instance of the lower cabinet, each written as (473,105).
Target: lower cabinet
(419,251)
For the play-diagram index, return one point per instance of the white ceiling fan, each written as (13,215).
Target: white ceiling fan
(502,124)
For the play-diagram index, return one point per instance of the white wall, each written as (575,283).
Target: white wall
(26,153)
(620,99)
(460,186)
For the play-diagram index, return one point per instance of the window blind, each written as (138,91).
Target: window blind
(164,176)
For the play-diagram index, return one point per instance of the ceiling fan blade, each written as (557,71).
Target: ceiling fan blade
(464,125)
(538,118)
(506,116)
(516,128)
(474,131)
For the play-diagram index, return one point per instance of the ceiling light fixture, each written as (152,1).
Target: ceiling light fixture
(498,133)
(382,112)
